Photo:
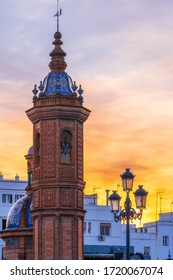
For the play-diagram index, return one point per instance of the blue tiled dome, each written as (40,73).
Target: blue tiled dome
(30,151)
(20,214)
(57,83)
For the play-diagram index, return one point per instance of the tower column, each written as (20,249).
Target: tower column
(58,184)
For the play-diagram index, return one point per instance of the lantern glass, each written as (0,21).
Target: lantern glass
(115,205)
(114,202)
(127,180)
(140,202)
(127,184)
(140,198)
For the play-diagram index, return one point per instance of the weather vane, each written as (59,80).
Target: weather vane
(58,14)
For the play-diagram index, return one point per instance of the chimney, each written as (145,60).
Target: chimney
(1,176)
(107,195)
(16,178)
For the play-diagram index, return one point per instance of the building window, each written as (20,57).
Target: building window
(7,198)
(165,240)
(105,228)
(147,251)
(4,224)
(89,227)
(84,227)
(18,196)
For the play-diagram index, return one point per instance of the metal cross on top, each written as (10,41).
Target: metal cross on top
(58,14)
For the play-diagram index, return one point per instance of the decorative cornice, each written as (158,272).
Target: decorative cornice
(41,112)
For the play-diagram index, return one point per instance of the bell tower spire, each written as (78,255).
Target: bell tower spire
(57,64)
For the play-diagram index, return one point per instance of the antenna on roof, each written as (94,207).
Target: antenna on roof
(58,14)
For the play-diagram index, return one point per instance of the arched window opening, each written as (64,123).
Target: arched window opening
(65,139)
(29,166)
(38,147)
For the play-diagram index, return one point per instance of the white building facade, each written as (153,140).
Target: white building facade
(102,235)
(155,238)
(10,192)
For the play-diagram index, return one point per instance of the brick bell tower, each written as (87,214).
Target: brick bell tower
(58,116)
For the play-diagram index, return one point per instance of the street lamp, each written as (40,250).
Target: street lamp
(128,213)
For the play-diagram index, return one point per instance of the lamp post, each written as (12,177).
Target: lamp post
(128,213)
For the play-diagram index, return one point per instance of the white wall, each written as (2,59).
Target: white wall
(150,235)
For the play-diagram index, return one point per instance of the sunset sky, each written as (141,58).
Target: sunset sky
(121,51)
